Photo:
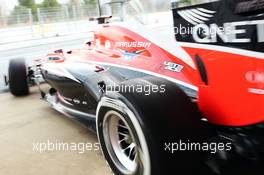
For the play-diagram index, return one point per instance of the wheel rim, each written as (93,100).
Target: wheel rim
(121,143)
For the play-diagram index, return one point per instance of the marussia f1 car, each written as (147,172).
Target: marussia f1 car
(156,102)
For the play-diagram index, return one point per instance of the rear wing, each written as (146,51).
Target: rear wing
(230,23)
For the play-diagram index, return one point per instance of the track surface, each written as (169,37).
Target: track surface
(29,120)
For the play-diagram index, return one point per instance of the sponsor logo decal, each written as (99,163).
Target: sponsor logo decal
(75,101)
(255,77)
(218,23)
(197,15)
(256,91)
(135,44)
(230,32)
(131,55)
(171,66)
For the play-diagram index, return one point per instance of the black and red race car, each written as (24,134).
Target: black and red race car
(183,94)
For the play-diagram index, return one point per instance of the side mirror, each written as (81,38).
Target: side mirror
(59,51)
(6,80)
(101,20)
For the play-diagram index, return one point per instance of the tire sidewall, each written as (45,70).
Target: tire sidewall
(135,132)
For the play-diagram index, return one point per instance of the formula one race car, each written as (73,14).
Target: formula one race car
(161,106)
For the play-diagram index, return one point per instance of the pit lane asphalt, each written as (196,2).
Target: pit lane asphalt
(28,120)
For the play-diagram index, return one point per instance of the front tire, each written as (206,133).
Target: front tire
(18,84)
